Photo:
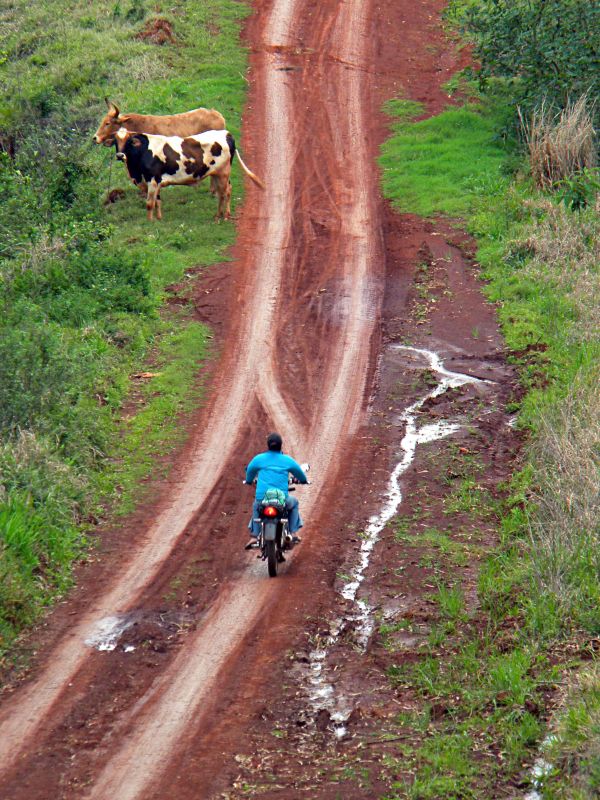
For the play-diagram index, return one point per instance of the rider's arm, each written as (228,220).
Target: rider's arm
(297,471)
(252,470)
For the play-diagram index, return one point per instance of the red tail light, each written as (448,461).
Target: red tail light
(269,511)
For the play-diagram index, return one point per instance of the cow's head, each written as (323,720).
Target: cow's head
(128,143)
(110,124)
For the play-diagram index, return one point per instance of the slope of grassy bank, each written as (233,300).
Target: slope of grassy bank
(83,284)
(541,263)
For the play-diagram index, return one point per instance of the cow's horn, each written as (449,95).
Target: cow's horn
(112,106)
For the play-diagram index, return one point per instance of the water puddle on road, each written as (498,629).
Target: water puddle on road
(127,631)
(321,692)
(106,633)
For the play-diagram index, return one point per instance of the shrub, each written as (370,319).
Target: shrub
(561,144)
(542,48)
(580,190)
(40,371)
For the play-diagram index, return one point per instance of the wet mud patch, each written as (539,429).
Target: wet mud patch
(155,630)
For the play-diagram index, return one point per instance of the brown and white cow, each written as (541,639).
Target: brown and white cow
(186,124)
(171,160)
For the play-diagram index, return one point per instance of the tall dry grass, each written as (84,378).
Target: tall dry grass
(565,526)
(562,143)
(563,261)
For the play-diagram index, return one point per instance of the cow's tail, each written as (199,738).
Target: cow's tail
(249,172)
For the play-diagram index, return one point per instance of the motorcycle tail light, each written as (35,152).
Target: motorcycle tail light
(269,511)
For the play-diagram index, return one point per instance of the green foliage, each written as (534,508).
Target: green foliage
(81,284)
(542,48)
(580,190)
(41,497)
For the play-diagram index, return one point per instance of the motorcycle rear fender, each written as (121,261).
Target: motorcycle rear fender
(270,531)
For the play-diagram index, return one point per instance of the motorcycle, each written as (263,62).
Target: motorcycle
(275,537)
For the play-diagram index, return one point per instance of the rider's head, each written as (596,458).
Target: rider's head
(274,442)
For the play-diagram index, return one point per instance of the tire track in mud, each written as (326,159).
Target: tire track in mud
(154,723)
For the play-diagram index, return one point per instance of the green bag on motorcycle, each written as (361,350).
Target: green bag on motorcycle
(274,497)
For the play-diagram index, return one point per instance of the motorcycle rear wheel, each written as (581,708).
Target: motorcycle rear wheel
(271,547)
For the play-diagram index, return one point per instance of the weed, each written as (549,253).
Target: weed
(561,145)
(451,601)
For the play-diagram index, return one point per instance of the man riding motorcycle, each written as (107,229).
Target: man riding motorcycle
(271,469)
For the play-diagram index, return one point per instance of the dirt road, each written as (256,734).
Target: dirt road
(148,676)
(300,170)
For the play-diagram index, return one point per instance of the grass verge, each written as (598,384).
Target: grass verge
(84,284)
(541,263)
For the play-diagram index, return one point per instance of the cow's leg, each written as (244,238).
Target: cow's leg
(213,185)
(228,208)
(153,189)
(224,193)
(142,186)
(158,204)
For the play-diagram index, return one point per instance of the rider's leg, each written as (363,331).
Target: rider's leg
(254,527)
(294,519)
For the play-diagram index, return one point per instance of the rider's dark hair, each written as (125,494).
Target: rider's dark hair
(274,442)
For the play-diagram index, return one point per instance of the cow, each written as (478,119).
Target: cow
(186,124)
(172,160)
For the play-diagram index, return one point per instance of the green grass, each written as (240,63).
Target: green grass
(451,602)
(545,319)
(438,164)
(486,695)
(154,427)
(83,285)
(540,585)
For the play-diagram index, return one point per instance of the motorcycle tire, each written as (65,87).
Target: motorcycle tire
(272,558)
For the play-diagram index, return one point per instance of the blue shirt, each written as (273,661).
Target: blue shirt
(272,470)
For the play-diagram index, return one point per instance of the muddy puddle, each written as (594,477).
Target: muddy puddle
(126,632)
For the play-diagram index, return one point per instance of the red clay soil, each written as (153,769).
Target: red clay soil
(324,278)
